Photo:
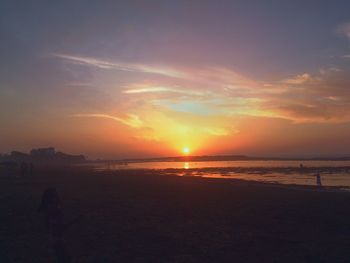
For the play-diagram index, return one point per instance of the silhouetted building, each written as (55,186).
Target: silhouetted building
(60,156)
(42,156)
(43,152)
(19,156)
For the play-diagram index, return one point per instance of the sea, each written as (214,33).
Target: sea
(332,173)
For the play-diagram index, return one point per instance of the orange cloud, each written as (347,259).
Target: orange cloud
(130,119)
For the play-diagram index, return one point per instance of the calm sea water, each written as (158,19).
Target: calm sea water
(333,173)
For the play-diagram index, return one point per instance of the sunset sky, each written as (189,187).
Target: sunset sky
(121,79)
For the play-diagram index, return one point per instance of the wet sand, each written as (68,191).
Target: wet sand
(140,216)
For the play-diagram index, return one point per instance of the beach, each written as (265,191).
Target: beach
(143,216)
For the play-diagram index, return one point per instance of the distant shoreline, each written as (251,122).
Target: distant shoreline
(219,158)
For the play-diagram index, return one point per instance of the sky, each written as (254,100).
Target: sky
(124,79)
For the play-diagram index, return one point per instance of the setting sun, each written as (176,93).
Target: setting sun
(186,150)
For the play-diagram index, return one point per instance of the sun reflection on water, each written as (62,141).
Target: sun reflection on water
(186,165)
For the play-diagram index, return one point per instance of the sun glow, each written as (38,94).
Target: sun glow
(186,150)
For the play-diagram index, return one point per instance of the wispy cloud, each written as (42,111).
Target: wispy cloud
(321,98)
(130,120)
(344,29)
(151,89)
(103,64)
(216,90)
(141,88)
(299,79)
(303,98)
(218,131)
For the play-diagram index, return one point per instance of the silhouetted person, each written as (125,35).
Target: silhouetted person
(51,207)
(318,180)
(301,166)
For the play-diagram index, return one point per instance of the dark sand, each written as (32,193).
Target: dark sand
(138,216)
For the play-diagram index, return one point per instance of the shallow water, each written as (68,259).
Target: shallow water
(220,164)
(333,173)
